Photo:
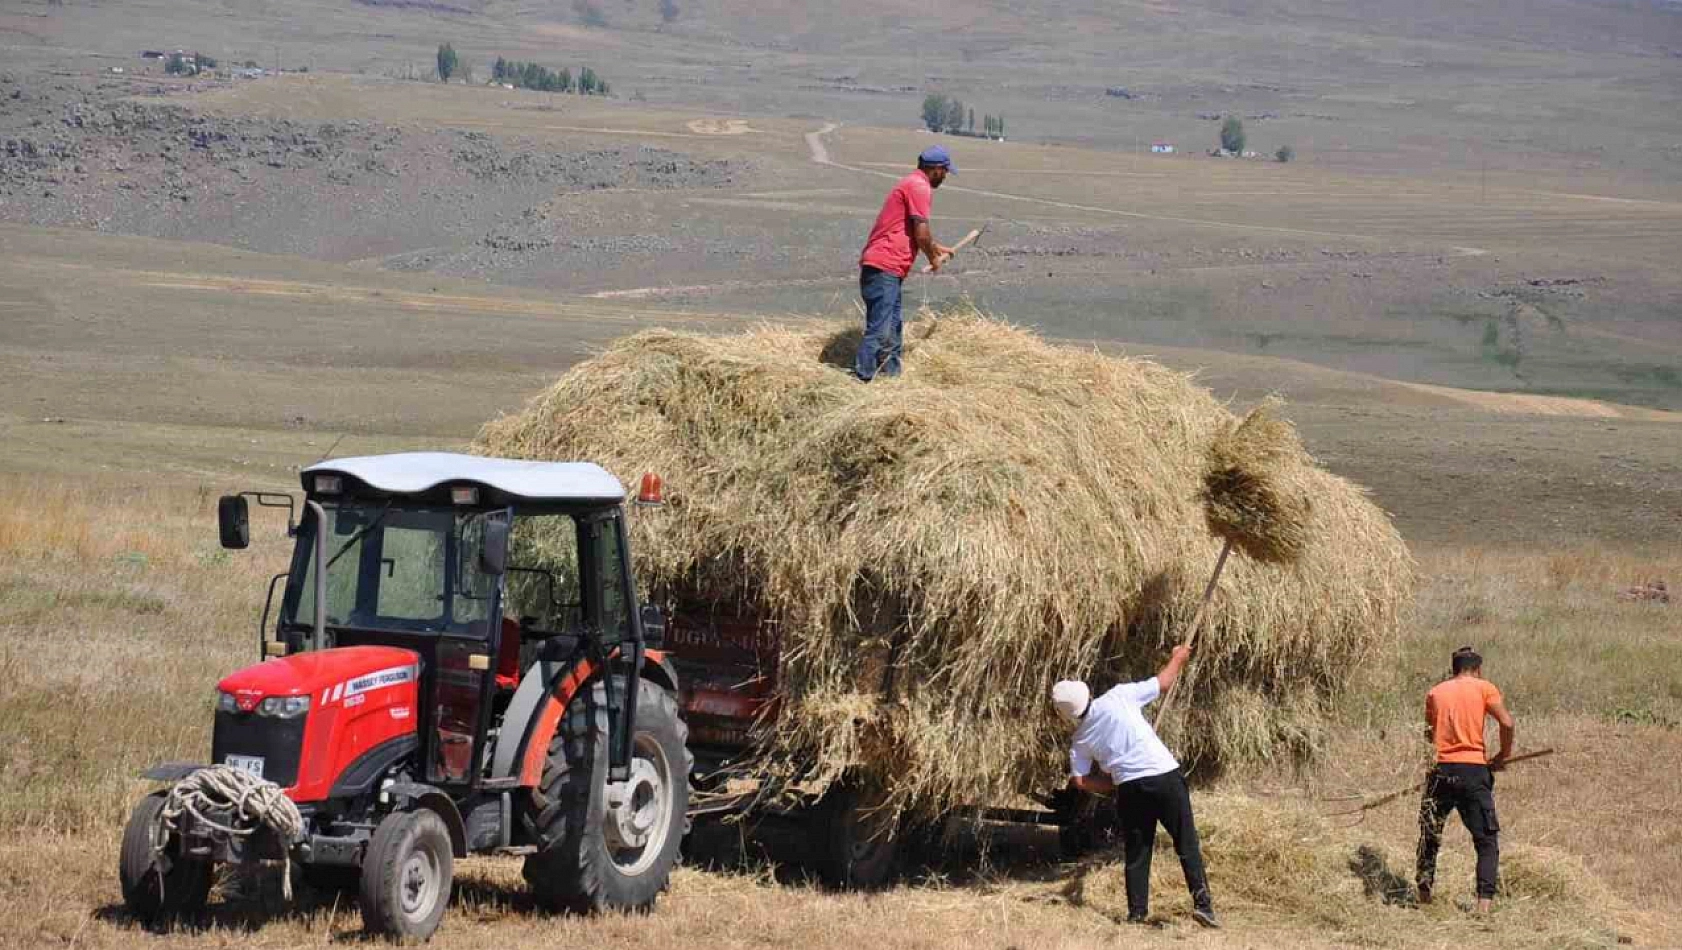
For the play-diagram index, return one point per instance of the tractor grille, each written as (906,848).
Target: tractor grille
(279,741)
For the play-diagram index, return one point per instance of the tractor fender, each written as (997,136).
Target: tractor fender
(657,669)
(537,687)
(433,799)
(541,700)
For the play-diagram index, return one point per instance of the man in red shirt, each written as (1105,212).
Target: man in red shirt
(1464,777)
(901,230)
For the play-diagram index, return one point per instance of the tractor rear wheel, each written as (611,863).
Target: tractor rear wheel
(159,884)
(855,839)
(609,846)
(406,875)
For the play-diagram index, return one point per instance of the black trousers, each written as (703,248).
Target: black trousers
(1470,790)
(1141,805)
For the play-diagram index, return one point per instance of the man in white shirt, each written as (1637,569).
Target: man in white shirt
(1111,733)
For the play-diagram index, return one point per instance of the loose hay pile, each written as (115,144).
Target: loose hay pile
(1275,858)
(936,550)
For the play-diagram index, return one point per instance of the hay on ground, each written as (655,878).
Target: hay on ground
(1276,858)
(936,550)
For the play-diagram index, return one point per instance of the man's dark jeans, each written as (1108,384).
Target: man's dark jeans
(1141,805)
(879,351)
(1470,790)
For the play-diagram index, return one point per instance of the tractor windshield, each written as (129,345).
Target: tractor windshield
(393,566)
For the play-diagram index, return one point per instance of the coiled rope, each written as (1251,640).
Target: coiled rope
(255,802)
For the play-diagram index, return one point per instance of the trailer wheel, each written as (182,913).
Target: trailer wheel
(609,847)
(159,884)
(856,841)
(406,875)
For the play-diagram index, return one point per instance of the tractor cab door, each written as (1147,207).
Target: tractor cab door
(464,681)
(417,576)
(610,599)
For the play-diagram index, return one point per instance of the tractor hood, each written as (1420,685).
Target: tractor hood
(328,675)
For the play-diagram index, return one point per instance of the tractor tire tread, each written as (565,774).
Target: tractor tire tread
(185,889)
(571,873)
(381,910)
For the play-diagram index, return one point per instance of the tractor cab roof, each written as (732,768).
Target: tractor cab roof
(425,474)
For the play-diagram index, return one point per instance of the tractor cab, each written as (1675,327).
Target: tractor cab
(457,664)
(427,568)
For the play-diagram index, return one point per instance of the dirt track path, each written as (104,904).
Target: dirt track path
(820,155)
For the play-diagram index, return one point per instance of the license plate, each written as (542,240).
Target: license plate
(251,764)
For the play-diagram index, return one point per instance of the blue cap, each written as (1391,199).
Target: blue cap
(938,156)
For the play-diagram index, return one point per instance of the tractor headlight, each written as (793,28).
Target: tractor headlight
(225,702)
(284,707)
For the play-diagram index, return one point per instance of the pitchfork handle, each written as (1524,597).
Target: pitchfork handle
(1191,635)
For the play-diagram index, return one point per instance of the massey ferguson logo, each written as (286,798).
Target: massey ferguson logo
(380,680)
(351,691)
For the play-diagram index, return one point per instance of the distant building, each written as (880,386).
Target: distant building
(1162,148)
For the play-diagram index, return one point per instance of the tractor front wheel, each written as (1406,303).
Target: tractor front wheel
(406,876)
(159,883)
(609,846)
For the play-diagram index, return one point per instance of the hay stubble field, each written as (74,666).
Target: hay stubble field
(1464,287)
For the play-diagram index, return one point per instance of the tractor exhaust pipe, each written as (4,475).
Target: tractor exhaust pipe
(320,633)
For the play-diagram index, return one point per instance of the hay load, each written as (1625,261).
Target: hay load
(937,549)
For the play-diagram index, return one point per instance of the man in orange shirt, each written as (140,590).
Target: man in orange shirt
(900,231)
(1464,777)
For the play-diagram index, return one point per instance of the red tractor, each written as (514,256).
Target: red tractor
(397,721)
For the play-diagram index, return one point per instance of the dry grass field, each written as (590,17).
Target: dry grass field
(1465,286)
(118,613)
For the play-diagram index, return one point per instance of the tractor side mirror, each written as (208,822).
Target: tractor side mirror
(493,557)
(233,520)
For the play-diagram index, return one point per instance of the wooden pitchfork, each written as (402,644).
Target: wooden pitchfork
(1360,811)
(966,241)
(1191,634)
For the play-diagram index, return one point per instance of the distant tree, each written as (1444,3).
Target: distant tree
(204,62)
(972,121)
(934,111)
(176,65)
(668,11)
(954,116)
(250,64)
(446,62)
(1285,153)
(499,70)
(999,126)
(589,13)
(563,82)
(1232,135)
(586,81)
(602,88)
